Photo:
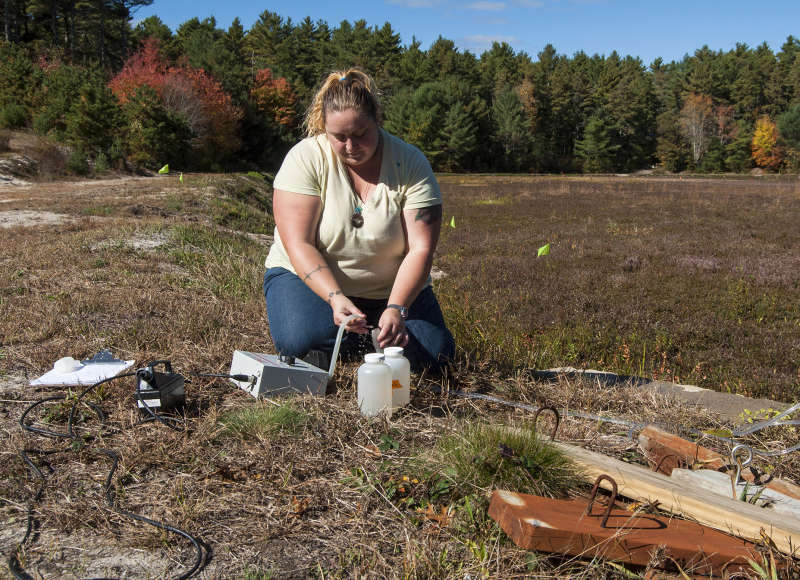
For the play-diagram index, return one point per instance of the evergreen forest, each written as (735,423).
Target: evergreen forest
(207,99)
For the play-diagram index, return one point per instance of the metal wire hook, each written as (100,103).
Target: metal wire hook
(555,414)
(611,500)
(736,460)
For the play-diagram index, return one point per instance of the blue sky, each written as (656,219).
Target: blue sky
(645,29)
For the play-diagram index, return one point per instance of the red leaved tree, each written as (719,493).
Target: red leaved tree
(274,98)
(190,93)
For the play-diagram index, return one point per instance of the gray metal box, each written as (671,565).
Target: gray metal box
(274,377)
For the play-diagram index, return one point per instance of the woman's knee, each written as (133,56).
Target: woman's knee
(431,346)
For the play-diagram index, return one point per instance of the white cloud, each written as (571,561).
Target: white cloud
(479,43)
(487,6)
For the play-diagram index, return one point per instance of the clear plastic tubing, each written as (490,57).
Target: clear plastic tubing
(374,386)
(401,375)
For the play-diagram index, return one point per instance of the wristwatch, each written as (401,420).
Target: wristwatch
(402,309)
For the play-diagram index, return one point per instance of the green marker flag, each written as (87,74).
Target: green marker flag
(453,222)
(543,251)
(164,170)
(181,178)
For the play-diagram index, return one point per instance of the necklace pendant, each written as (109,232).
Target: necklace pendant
(357,220)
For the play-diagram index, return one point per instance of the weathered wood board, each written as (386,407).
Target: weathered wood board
(559,526)
(727,515)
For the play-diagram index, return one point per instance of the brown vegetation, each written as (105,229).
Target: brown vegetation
(692,280)
(697,271)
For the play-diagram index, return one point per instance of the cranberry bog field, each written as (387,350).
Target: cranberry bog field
(692,280)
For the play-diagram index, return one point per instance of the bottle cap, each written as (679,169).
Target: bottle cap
(393,351)
(373,357)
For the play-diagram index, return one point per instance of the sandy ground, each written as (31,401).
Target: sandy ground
(21,217)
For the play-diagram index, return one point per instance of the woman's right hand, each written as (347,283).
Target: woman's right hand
(342,308)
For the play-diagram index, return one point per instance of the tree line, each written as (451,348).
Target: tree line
(202,97)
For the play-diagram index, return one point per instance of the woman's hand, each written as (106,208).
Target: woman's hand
(342,308)
(393,329)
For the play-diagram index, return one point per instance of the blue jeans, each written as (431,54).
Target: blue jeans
(301,321)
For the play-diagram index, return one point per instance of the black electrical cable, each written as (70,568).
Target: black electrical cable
(13,561)
(162,526)
(86,392)
(54,434)
(153,416)
(238,377)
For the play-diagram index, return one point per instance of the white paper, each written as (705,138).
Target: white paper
(88,374)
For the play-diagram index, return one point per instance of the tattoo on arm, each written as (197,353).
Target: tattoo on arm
(429,215)
(314,271)
(332,294)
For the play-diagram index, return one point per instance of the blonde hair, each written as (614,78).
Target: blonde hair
(340,91)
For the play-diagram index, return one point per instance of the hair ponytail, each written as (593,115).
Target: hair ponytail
(339,91)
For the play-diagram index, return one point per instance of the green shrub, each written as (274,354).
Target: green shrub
(61,87)
(116,153)
(19,78)
(154,135)
(13,116)
(101,163)
(94,117)
(77,162)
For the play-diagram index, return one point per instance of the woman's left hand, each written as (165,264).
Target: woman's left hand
(393,329)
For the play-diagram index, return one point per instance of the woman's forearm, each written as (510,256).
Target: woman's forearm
(314,271)
(411,277)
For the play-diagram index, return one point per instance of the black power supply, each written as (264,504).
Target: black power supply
(159,391)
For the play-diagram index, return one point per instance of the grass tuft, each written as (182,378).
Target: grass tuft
(262,421)
(487,456)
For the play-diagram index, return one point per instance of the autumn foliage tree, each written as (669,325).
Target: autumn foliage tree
(189,94)
(274,98)
(766,151)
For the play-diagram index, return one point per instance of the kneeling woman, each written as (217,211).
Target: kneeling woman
(357,214)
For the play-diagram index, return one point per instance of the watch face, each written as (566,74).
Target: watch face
(402,309)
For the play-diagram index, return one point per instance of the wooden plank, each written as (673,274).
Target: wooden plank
(667,451)
(734,517)
(722,484)
(562,527)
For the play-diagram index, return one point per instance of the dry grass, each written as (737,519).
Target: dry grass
(320,491)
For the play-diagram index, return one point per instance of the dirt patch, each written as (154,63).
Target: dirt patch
(138,241)
(26,218)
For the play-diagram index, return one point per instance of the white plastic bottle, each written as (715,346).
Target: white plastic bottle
(374,386)
(401,375)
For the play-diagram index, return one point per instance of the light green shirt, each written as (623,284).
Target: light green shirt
(363,260)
